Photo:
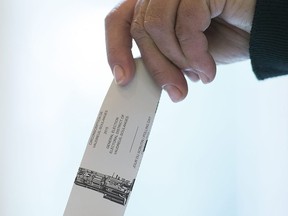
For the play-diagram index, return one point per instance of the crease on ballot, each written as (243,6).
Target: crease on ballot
(109,167)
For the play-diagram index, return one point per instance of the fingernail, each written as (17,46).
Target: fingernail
(174,93)
(204,78)
(119,74)
(191,74)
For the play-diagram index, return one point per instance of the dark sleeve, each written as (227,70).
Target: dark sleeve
(269,39)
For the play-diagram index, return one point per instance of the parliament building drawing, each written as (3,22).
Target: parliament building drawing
(113,188)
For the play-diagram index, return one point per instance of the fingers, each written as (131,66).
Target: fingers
(177,29)
(192,20)
(160,25)
(164,72)
(119,41)
(159,22)
(170,37)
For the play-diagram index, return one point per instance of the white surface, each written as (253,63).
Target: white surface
(115,148)
(223,151)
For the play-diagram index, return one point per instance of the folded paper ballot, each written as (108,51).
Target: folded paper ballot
(108,170)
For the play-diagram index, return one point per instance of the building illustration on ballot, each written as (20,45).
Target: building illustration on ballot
(113,188)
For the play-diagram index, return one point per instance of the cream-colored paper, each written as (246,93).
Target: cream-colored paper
(114,151)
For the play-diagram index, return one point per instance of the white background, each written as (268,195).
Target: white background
(221,152)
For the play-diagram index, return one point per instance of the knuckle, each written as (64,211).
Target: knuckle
(154,25)
(110,17)
(158,75)
(137,30)
(182,35)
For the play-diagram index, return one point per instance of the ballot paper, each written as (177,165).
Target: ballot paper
(108,170)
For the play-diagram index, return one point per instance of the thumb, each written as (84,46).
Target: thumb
(119,42)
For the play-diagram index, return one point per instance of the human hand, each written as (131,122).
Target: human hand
(178,38)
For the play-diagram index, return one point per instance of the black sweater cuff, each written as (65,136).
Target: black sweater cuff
(269,39)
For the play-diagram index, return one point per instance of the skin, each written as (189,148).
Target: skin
(178,39)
